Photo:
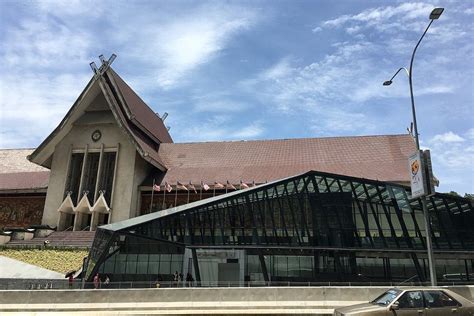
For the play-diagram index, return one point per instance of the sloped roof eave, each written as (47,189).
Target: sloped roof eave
(137,111)
(123,125)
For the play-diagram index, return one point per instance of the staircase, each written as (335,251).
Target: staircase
(80,239)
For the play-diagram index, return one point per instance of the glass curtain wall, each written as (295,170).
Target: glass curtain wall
(312,227)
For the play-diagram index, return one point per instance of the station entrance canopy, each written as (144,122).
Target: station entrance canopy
(311,227)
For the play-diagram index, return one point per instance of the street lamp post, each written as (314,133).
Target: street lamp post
(435,14)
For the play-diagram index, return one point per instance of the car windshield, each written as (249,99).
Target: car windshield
(387,297)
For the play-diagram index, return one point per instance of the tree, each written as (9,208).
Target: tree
(454,193)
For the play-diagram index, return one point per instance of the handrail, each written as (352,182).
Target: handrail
(404,281)
(44,284)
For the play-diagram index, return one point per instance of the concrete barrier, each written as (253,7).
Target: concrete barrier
(4,238)
(204,294)
(322,299)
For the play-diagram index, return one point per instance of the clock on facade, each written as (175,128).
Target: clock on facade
(96,135)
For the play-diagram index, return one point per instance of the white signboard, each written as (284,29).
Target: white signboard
(415,168)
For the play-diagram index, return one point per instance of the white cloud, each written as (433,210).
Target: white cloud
(353,29)
(249,132)
(71,7)
(470,133)
(186,45)
(469,11)
(448,137)
(32,105)
(279,70)
(453,160)
(337,121)
(176,48)
(223,105)
(380,18)
(40,76)
(346,79)
(218,131)
(44,43)
(42,50)
(341,76)
(217,128)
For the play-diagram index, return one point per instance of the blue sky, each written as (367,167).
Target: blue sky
(232,70)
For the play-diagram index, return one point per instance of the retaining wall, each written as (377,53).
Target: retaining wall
(325,296)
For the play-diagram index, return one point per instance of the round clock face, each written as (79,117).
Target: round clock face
(96,135)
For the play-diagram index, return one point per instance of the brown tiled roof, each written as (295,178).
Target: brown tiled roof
(17,173)
(140,113)
(14,160)
(146,146)
(372,157)
(24,180)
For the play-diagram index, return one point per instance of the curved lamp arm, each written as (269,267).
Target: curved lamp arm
(389,82)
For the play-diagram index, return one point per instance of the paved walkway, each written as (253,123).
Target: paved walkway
(15,269)
(177,308)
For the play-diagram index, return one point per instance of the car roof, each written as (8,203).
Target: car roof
(452,293)
(418,288)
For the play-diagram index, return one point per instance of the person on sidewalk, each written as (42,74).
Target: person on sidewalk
(175,278)
(71,280)
(107,281)
(96,281)
(189,278)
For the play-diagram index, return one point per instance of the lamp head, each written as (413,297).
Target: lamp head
(387,83)
(436,13)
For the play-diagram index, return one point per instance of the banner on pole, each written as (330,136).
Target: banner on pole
(415,166)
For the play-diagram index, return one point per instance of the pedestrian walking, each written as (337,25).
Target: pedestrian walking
(181,279)
(189,279)
(71,280)
(175,278)
(96,281)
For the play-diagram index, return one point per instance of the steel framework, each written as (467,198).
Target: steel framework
(314,226)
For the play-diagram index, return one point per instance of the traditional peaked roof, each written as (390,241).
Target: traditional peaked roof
(143,127)
(139,113)
(381,158)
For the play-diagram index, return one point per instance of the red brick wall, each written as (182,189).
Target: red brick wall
(21,211)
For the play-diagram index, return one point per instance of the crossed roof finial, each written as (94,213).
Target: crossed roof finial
(105,64)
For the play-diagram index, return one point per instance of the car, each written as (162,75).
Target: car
(412,301)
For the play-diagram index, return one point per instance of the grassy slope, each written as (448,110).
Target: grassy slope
(57,260)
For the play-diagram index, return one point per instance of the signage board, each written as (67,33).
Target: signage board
(429,178)
(415,167)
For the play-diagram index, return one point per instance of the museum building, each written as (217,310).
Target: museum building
(311,209)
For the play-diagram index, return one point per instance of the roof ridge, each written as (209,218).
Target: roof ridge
(32,148)
(289,139)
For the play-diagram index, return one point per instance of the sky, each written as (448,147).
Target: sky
(242,70)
